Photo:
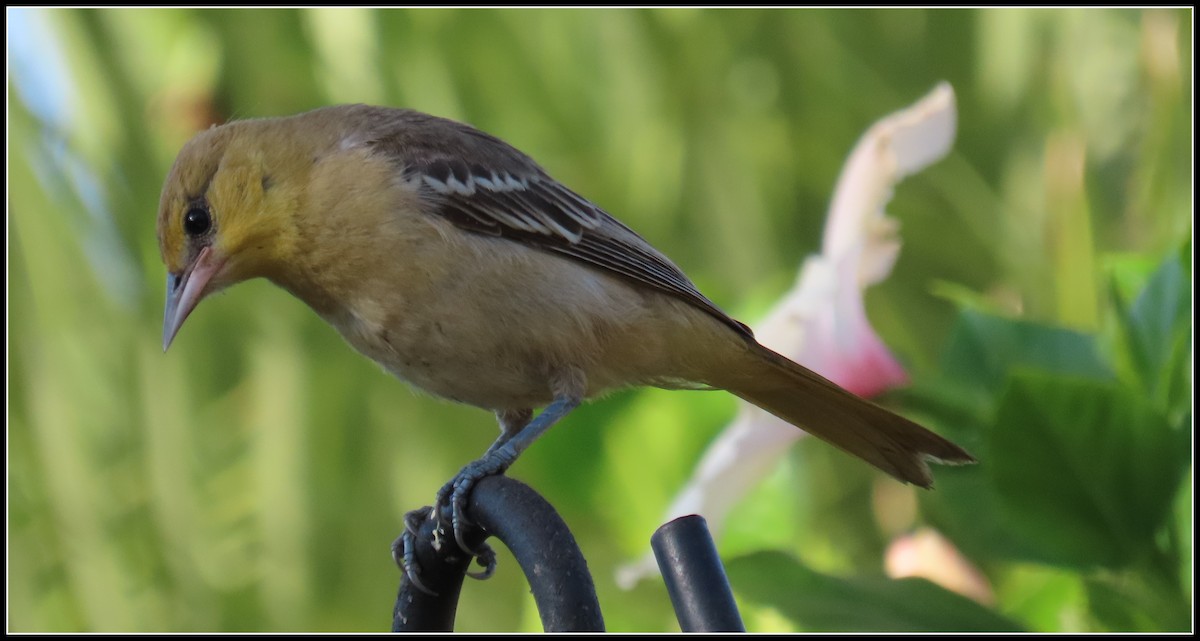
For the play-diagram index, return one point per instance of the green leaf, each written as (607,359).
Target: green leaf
(984,349)
(961,403)
(1128,272)
(964,505)
(977,360)
(1042,597)
(1181,539)
(819,602)
(1125,603)
(1085,470)
(1154,337)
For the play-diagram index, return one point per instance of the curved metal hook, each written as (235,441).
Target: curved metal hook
(537,536)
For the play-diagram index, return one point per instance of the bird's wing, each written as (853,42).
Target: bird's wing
(483,185)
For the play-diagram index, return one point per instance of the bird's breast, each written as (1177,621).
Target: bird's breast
(494,324)
(445,349)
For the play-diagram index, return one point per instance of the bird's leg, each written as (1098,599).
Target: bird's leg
(511,422)
(517,432)
(496,460)
(404,547)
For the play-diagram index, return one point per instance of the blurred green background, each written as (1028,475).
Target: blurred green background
(254,477)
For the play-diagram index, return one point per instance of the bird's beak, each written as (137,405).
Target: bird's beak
(185,291)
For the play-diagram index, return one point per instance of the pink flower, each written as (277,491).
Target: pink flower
(822,322)
(927,554)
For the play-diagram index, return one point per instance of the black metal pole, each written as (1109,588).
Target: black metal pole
(695,577)
(538,538)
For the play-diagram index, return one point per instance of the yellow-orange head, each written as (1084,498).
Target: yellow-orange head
(227,208)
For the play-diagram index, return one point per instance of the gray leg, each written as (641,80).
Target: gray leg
(517,432)
(497,459)
(403,549)
(511,422)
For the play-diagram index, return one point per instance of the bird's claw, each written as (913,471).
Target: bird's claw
(486,557)
(453,495)
(456,492)
(405,546)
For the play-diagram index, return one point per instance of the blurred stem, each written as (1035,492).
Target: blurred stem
(1070,234)
(131,151)
(1165,561)
(1158,571)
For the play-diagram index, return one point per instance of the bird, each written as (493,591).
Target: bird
(458,264)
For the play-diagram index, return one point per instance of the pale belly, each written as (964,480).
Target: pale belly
(502,331)
(440,359)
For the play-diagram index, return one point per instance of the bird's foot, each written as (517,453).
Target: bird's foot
(454,495)
(405,546)
(451,501)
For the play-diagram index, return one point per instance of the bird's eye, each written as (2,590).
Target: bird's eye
(196,221)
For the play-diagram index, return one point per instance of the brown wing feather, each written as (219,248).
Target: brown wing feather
(483,185)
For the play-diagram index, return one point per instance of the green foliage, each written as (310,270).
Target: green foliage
(869,604)
(1079,468)
(1085,472)
(253,478)
(1153,341)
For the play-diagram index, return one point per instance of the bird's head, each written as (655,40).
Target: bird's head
(226,212)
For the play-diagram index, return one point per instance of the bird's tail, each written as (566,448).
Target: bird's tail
(806,399)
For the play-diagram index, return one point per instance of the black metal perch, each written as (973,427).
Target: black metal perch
(695,577)
(555,568)
(534,532)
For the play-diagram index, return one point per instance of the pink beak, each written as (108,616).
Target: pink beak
(186,290)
